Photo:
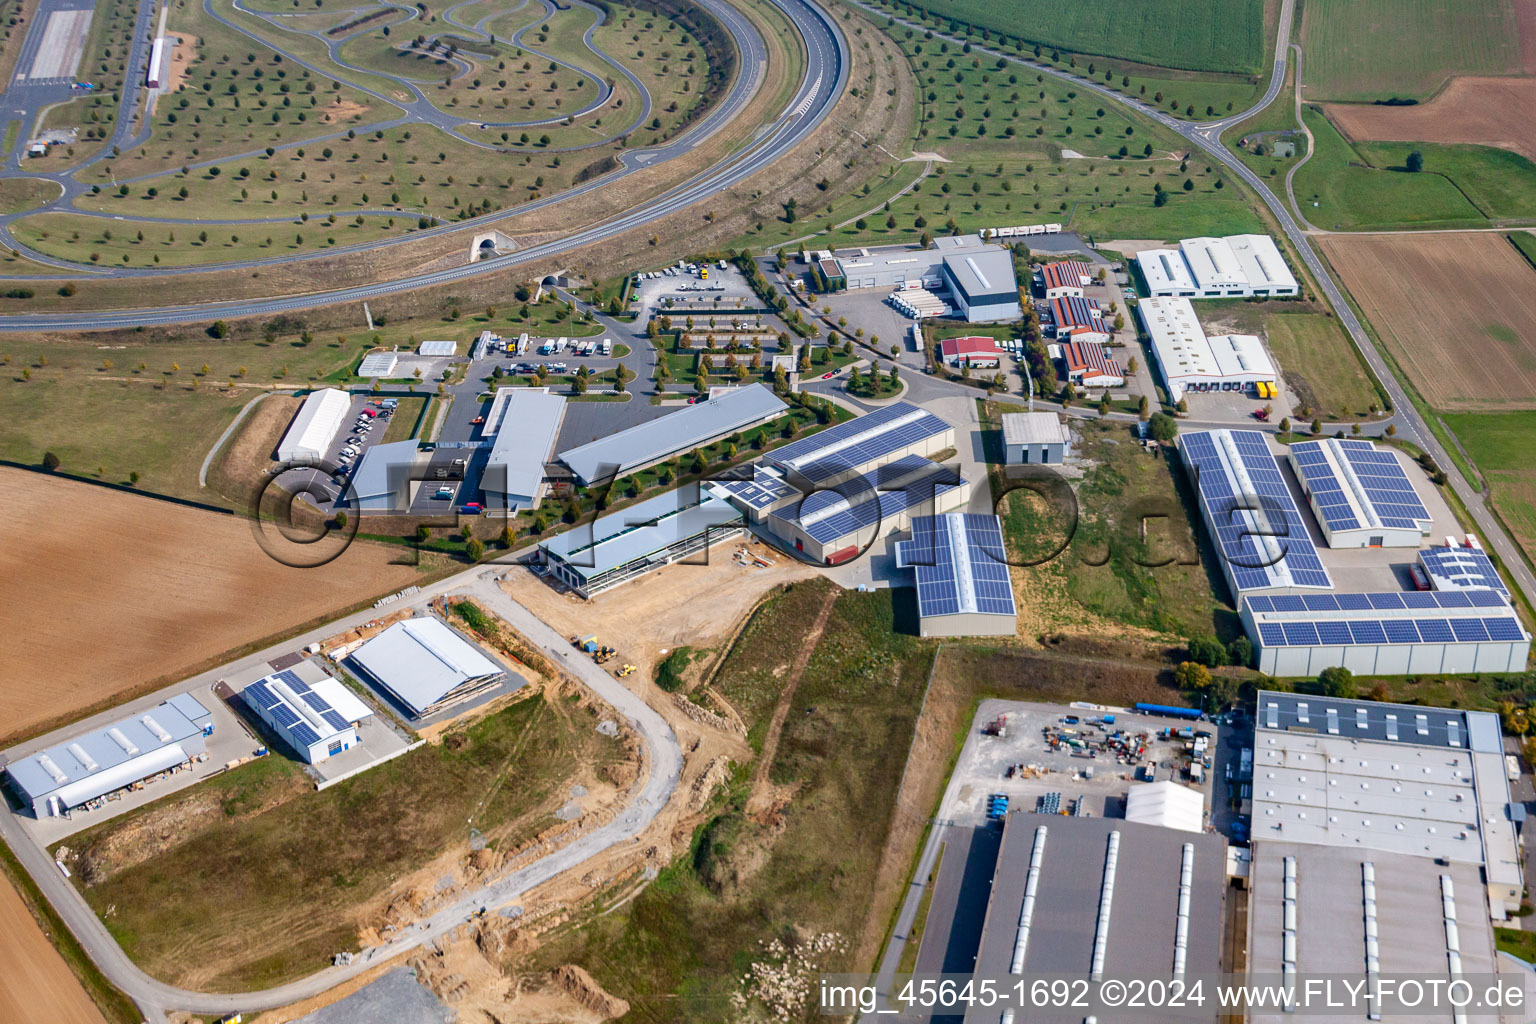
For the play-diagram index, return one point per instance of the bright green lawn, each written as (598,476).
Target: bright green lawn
(1500,445)
(1364,50)
(1501,184)
(1350,196)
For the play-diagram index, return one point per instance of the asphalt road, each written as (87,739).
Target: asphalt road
(826,75)
(663,763)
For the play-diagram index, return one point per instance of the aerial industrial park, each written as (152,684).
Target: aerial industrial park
(762,510)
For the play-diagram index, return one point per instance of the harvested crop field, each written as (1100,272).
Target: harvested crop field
(104,592)
(1457,310)
(1486,111)
(36,985)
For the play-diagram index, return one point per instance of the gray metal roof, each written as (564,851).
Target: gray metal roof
(1034,428)
(1143,916)
(526,422)
(421,661)
(640,531)
(984,271)
(1378,720)
(681,431)
(385,468)
(99,751)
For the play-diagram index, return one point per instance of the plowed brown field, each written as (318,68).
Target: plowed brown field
(1458,312)
(103,592)
(36,986)
(1483,111)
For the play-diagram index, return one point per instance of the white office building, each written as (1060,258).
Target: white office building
(525,423)
(314,714)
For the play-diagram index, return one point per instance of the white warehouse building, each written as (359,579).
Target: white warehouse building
(314,714)
(1215,268)
(1191,361)
(1386,634)
(525,423)
(315,427)
(56,780)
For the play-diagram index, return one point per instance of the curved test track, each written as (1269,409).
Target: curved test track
(826,74)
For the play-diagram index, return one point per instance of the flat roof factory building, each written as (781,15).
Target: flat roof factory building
(525,423)
(99,762)
(978,274)
(314,714)
(315,427)
(961,570)
(633,541)
(425,666)
(859,445)
(838,520)
(981,281)
(1035,438)
(657,440)
(1386,634)
(1079,896)
(387,478)
(1211,268)
(1369,777)
(1349,914)
(1191,361)
(1260,537)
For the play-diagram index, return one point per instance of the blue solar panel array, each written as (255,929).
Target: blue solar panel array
(759,492)
(1350,633)
(1387,488)
(942,587)
(260,694)
(1390,600)
(861,502)
(814,467)
(1233,517)
(1466,567)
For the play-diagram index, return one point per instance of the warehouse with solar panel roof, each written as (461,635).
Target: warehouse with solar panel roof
(829,496)
(961,571)
(1303,614)
(314,714)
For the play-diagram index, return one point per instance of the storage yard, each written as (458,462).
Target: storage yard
(1027,752)
(157,591)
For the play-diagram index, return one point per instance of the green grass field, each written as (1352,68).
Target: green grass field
(746,883)
(1351,195)
(1107,569)
(1526,243)
(17,194)
(275,898)
(1320,365)
(1499,443)
(1198,35)
(1365,50)
(1501,184)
